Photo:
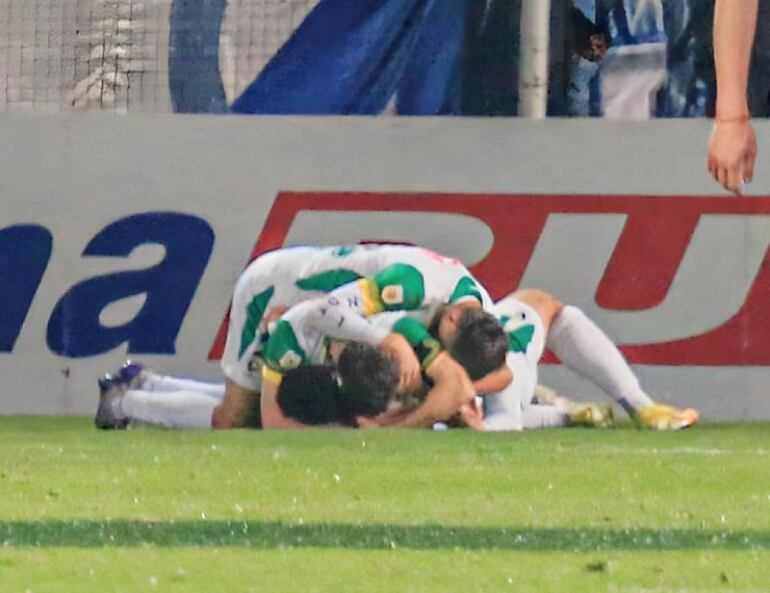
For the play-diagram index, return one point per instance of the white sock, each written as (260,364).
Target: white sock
(587,350)
(165,383)
(530,417)
(538,416)
(174,409)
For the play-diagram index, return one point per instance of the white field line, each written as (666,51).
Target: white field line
(680,450)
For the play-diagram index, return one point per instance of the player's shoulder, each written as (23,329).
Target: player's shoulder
(270,259)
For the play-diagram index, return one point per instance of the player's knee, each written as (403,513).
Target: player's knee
(547,306)
(223,419)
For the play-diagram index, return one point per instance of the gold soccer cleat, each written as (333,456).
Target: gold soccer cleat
(592,415)
(663,417)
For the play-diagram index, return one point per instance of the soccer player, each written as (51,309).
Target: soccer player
(365,380)
(302,335)
(435,289)
(311,396)
(534,320)
(733,146)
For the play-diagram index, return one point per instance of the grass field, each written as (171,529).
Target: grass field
(569,511)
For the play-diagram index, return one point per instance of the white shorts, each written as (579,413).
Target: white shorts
(503,410)
(268,281)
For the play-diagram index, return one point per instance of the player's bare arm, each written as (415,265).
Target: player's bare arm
(494,381)
(733,146)
(341,315)
(451,389)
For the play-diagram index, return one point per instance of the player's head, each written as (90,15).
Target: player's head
(362,384)
(367,378)
(310,394)
(473,337)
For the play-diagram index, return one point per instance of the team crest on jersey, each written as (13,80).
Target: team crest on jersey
(290,360)
(393,295)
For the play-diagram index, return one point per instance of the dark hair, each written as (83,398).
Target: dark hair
(368,380)
(480,345)
(310,394)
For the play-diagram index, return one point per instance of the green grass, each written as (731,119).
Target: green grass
(562,511)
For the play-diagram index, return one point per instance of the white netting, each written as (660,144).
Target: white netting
(113,54)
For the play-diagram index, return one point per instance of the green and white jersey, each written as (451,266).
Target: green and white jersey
(404,278)
(524,328)
(526,341)
(379,278)
(302,335)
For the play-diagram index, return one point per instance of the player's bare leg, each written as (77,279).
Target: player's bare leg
(584,348)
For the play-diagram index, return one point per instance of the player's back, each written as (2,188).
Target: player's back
(302,272)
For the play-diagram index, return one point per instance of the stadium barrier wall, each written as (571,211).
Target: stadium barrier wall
(123,237)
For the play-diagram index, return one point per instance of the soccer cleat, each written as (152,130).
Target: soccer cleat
(131,374)
(663,417)
(110,390)
(548,397)
(592,415)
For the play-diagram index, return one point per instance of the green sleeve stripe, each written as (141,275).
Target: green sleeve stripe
(427,352)
(328,280)
(465,288)
(401,287)
(425,346)
(255,311)
(282,351)
(414,331)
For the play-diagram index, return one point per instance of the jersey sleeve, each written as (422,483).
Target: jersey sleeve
(466,289)
(446,279)
(425,346)
(295,338)
(282,351)
(397,287)
(422,280)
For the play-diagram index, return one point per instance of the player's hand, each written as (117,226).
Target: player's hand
(396,346)
(732,152)
(472,415)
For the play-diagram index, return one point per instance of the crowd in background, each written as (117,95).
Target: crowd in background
(608,58)
(612,58)
(668,42)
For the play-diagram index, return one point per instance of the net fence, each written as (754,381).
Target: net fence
(58,55)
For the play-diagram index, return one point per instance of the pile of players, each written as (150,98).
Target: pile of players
(386,335)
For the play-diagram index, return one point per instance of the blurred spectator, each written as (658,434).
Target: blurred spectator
(588,45)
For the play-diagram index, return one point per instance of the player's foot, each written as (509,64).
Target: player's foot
(592,415)
(131,374)
(663,417)
(548,397)
(110,392)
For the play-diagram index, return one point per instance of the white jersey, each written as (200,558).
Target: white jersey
(303,334)
(526,341)
(379,278)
